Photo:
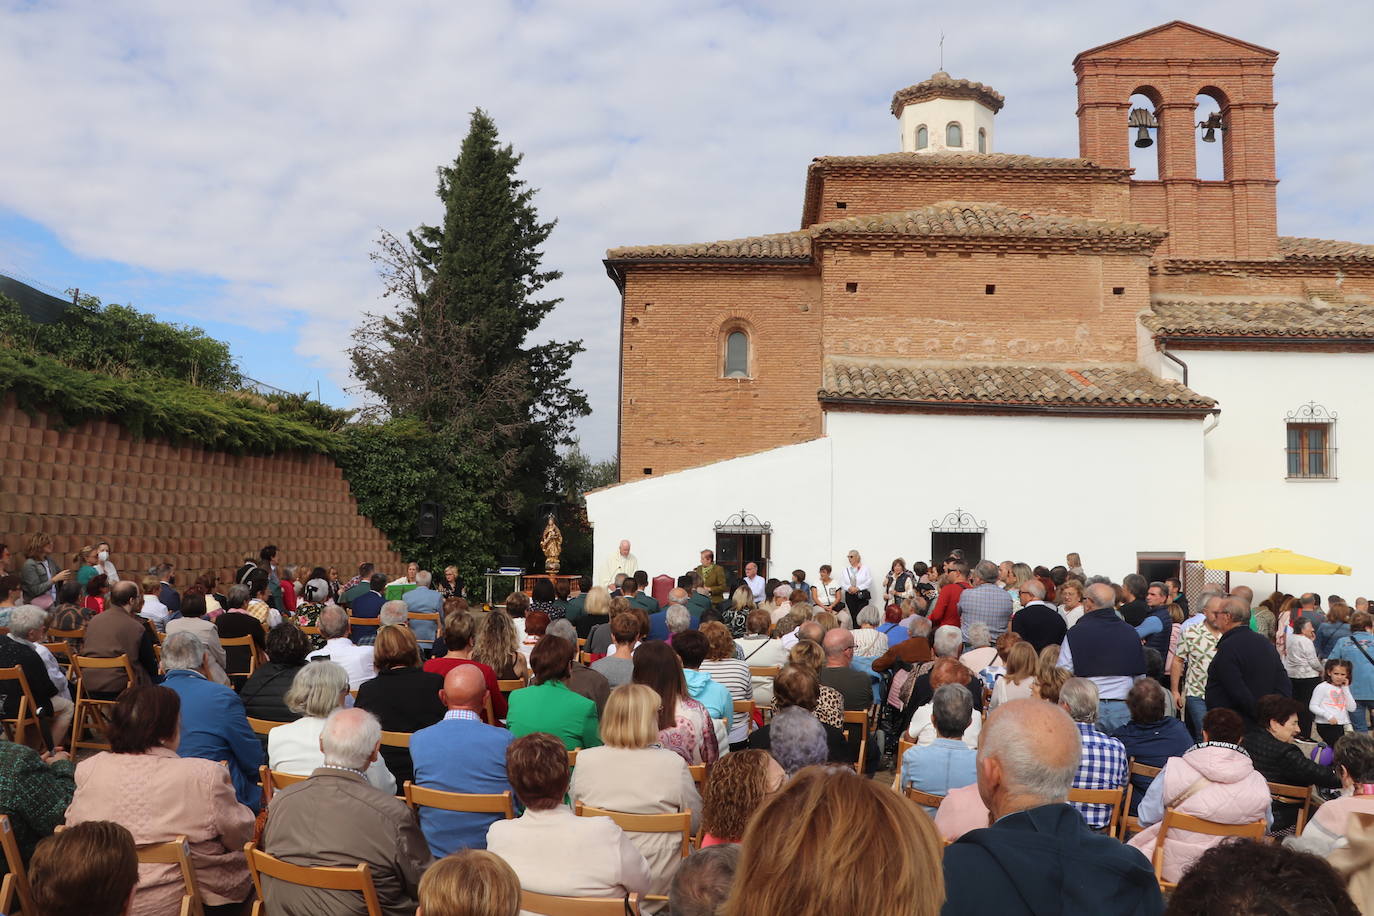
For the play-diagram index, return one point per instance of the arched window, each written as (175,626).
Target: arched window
(736,354)
(922,137)
(982,140)
(954,135)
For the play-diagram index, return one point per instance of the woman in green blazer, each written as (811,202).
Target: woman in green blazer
(549,706)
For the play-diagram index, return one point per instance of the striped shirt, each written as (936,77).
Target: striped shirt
(733,675)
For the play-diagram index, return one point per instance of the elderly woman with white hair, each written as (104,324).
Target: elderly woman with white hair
(676,618)
(981,651)
(317,690)
(28,624)
(797,740)
(868,641)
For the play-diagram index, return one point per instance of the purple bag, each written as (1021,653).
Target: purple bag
(1323,754)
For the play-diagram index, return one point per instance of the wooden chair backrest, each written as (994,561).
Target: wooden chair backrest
(16,882)
(744,706)
(572,757)
(1174,820)
(1129,822)
(241,642)
(903,745)
(82,662)
(671,822)
(858,717)
(1111,797)
(272,780)
(698,771)
(420,797)
(67,634)
(923,798)
(26,715)
(1295,795)
(263,726)
(358,878)
(396,739)
(764,670)
(310,631)
(364,622)
(176,852)
(549,905)
(506,686)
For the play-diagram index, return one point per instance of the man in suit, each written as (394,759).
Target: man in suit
(460,753)
(169,596)
(577,600)
(369,604)
(630,588)
(213,723)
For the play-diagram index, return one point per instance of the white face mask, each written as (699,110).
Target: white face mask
(103,555)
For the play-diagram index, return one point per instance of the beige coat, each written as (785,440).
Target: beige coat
(158,795)
(651,780)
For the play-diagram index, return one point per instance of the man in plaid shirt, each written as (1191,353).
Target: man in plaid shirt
(986,602)
(1103,762)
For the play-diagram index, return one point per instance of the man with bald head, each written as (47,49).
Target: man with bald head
(1246,665)
(1038,856)
(1106,650)
(460,753)
(808,629)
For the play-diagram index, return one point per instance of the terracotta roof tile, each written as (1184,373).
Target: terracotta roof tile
(1315,317)
(915,382)
(955,160)
(1291,247)
(943,86)
(948,218)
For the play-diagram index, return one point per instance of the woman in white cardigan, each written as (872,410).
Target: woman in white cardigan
(631,773)
(317,690)
(1304,669)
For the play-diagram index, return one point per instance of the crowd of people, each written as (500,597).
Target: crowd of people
(757,715)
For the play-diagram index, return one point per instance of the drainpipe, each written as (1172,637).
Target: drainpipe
(1164,352)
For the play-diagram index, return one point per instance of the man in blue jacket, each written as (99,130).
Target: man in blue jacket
(213,723)
(460,753)
(1038,857)
(368,604)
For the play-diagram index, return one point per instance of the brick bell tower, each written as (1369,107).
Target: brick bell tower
(1172,65)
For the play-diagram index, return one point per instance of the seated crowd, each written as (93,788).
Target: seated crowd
(711,748)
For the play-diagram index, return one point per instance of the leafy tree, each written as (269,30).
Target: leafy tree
(455,357)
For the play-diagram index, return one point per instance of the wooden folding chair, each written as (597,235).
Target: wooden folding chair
(60,651)
(473,803)
(489,710)
(26,716)
(177,852)
(549,905)
(272,780)
(310,631)
(858,717)
(374,622)
(698,771)
(433,618)
(1294,795)
(747,707)
(90,712)
(16,882)
(671,822)
(1129,822)
(903,745)
(263,726)
(923,798)
(506,686)
(240,642)
(357,879)
(396,739)
(1111,797)
(1173,820)
(572,757)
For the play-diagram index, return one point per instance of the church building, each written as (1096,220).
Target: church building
(1018,355)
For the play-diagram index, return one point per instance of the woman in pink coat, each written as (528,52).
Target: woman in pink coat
(1215,781)
(143,785)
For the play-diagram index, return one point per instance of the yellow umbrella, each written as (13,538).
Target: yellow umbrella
(1278,561)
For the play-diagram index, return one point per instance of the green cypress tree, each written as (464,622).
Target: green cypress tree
(456,355)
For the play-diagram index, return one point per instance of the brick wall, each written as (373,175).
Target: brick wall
(676,409)
(199,509)
(881,191)
(1043,308)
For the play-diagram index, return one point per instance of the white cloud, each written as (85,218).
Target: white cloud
(266,143)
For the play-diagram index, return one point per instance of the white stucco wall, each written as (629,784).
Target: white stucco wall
(1044,485)
(936,115)
(1250,504)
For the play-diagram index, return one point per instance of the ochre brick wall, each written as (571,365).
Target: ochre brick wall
(881,192)
(1172,66)
(1043,308)
(676,409)
(199,509)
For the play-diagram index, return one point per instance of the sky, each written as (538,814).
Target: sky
(231,165)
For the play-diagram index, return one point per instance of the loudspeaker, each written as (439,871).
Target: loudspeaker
(430,520)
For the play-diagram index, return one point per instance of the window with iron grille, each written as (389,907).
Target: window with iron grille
(1310,448)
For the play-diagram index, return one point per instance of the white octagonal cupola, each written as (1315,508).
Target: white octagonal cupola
(946,115)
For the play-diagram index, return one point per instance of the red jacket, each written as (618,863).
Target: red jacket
(946,611)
